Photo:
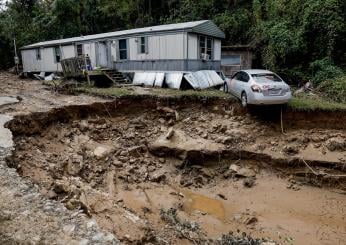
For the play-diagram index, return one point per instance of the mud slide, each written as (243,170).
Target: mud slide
(168,171)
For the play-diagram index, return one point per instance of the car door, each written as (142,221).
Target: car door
(234,84)
(243,82)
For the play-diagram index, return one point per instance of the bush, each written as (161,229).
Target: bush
(334,89)
(323,70)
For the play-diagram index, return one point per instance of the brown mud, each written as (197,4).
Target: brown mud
(183,171)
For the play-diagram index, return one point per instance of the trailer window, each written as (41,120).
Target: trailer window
(231,60)
(38,54)
(202,45)
(123,49)
(209,47)
(205,47)
(80,50)
(143,45)
(57,54)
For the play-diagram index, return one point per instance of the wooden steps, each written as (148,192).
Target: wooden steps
(116,76)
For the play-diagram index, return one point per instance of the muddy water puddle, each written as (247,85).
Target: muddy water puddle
(268,210)
(307,216)
(197,202)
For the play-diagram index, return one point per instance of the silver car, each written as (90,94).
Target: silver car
(258,87)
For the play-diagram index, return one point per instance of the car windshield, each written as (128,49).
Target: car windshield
(266,77)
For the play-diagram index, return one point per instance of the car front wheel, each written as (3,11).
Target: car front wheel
(243,99)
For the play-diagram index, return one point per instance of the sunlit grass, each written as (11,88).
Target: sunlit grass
(314,104)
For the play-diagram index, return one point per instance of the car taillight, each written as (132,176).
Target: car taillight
(256,89)
(286,90)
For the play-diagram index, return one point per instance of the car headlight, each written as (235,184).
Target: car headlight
(256,89)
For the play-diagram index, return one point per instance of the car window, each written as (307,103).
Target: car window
(266,77)
(242,76)
(246,77)
(235,76)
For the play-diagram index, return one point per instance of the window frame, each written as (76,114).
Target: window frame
(229,56)
(203,47)
(209,40)
(244,77)
(142,45)
(57,54)
(82,49)
(123,49)
(38,54)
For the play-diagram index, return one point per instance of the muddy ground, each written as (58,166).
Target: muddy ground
(165,171)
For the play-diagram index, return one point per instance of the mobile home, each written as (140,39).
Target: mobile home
(183,47)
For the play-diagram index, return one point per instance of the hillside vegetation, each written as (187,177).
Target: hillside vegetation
(300,39)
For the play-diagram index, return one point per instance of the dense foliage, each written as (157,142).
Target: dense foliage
(304,39)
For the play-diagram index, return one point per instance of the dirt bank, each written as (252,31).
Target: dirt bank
(26,216)
(171,171)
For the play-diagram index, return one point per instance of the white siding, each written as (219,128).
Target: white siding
(29,61)
(193,46)
(47,62)
(217,49)
(68,52)
(172,46)
(160,47)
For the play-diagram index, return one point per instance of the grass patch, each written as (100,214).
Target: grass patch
(104,92)
(315,104)
(159,92)
(334,89)
(302,103)
(208,93)
(52,83)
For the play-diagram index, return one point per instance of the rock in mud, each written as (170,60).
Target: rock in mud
(336,144)
(5,215)
(170,133)
(102,151)
(245,172)
(222,196)
(83,126)
(249,182)
(251,220)
(195,150)
(61,186)
(207,172)
(291,149)
(242,239)
(136,151)
(242,172)
(235,168)
(84,204)
(74,165)
(158,176)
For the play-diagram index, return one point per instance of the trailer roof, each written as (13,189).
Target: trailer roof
(206,27)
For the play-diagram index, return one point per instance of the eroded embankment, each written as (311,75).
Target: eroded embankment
(38,121)
(292,119)
(170,170)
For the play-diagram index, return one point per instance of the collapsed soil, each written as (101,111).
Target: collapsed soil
(210,175)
